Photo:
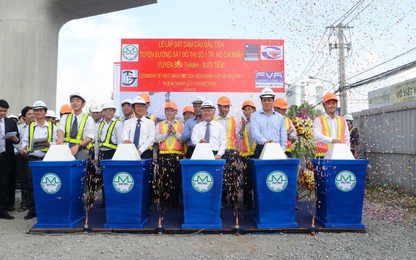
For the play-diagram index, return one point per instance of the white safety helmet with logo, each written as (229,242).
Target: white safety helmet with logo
(138,100)
(267,92)
(349,117)
(126,101)
(96,107)
(77,94)
(207,104)
(198,100)
(39,104)
(109,104)
(50,113)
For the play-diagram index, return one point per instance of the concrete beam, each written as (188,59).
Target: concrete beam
(29,36)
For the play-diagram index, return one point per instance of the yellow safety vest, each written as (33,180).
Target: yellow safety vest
(289,142)
(81,127)
(231,136)
(246,149)
(322,148)
(107,141)
(175,147)
(32,132)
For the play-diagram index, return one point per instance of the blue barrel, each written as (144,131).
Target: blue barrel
(202,188)
(126,185)
(58,188)
(340,186)
(274,186)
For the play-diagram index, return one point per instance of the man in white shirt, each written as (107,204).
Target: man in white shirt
(329,128)
(217,135)
(40,129)
(141,126)
(77,128)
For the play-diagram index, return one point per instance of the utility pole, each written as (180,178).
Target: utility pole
(341,46)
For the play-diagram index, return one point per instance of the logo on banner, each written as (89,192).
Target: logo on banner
(277,181)
(345,181)
(202,181)
(271,52)
(129,78)
(251,52)
(130,52)
(271,79)
(123,182)
(50,183)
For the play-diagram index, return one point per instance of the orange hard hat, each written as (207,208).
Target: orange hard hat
(145,97)
(248,103)
(172,105)
(329,96)
(66,109)
(280,103)
(224,101)
(188,109)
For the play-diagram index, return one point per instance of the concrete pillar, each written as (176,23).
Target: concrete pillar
(29,36)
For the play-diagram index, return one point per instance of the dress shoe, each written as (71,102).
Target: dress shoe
(30,215)
(6,215)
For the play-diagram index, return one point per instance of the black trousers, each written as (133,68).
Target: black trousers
(169,179)
(30,201)
(6,171)
(22,167)
(230,184)
(248,181)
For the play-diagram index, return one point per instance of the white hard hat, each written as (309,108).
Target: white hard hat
(207,103)
(39,104)
(77,94)
(126,101)
(96,107)
(349,117)
(12,116)
(109,104)
(50,113)
(198,100)
(138,100)
(267,92)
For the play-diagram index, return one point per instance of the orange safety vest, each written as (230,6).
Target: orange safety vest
(245,148)
(231,136)
(176,147)
(322,148)
(288,124)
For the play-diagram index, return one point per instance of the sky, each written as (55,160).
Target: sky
(379,31)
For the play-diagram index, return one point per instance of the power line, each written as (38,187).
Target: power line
(398,56)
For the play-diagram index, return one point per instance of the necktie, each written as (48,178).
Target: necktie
(137,134)
(74,128)
(207,133)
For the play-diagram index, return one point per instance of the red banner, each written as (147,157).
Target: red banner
(201,65)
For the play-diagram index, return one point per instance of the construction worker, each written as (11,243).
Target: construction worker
(65,110)
(76,129)
(247,148)
(126,109)
(39,129)
(329,127)
(354,136)
(188,112)
(94,177)
(171,150)
(267,125)
(189,125)
(51,116)
(281,106)
(109,135)
(231,176)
